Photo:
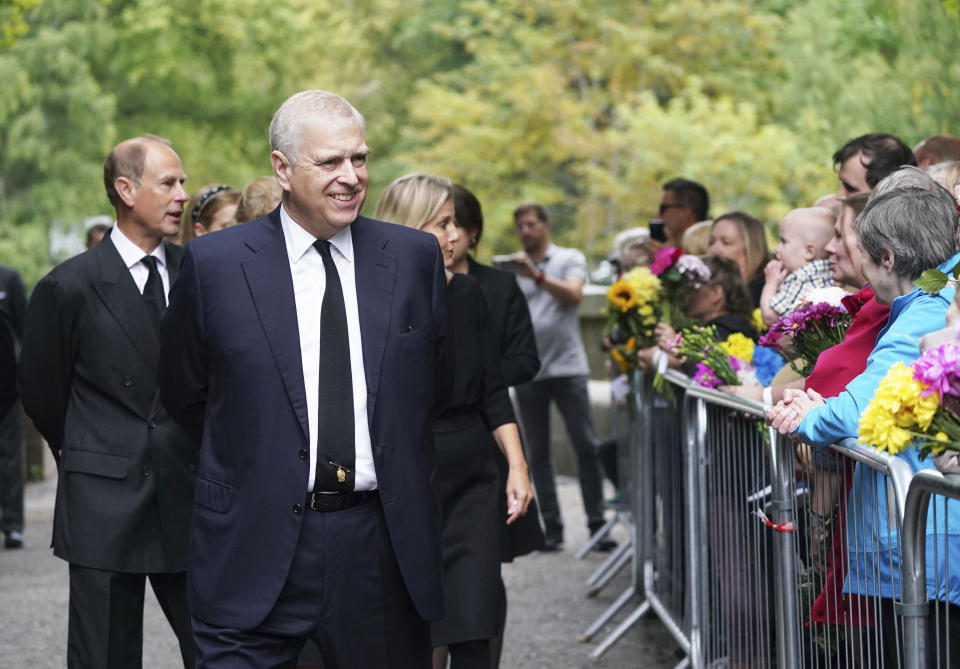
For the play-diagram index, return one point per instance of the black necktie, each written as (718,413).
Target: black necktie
(153,289)
(336,454)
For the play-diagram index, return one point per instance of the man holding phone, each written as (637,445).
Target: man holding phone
(552,278)
(682,204)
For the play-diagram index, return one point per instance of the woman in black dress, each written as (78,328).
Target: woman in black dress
(512,329)
(476,420)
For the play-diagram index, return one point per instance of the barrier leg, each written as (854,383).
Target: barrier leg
(607,615)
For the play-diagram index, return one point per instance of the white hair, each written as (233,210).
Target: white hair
(301,109)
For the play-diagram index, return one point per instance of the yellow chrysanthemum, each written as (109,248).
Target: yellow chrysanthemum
(621,296)
(897,407)
(740,346)
(756,320)
(644,284)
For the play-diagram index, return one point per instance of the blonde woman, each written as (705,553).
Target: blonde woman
(478,418)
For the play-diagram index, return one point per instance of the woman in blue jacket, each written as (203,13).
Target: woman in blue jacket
(902,232)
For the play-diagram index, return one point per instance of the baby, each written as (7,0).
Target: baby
(801,263)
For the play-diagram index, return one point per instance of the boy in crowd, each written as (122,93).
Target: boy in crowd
(801,263)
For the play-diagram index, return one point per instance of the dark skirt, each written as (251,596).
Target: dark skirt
(468,487)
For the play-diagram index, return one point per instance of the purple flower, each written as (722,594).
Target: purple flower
(939,369)
(736,363)
(705,377)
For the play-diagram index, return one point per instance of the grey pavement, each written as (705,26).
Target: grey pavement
(547,607)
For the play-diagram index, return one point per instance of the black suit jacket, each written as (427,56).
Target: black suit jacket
(88,379)
(231,373)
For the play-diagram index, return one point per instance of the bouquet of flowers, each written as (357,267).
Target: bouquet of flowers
(680,275)
(806,332)
(918,401)
(729,362)
(632,311)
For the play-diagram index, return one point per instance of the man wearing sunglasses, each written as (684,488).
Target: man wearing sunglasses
(682,204)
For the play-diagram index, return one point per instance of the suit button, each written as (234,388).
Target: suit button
(153,425)
(304,455)
(127,382)
(297,509)
(146,471)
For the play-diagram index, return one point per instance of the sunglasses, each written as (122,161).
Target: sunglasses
(666,205)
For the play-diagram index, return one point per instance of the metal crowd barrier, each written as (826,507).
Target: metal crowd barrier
(755,551)
(931,504)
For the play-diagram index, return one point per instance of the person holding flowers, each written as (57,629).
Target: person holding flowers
(721,302)
(902,232)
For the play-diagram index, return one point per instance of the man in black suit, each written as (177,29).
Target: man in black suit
(305,349)
(88,379)
(13,302)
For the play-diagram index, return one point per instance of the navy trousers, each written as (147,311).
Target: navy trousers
(344,591)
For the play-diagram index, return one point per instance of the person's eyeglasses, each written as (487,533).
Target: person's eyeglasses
(666,205)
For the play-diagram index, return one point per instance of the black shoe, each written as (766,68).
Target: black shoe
(605,545)
(12,539)
(552,544)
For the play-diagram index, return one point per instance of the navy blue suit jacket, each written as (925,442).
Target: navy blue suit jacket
(231,375)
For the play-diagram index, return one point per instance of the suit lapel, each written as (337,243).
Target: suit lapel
(376,273)
(267,272)
(120,295)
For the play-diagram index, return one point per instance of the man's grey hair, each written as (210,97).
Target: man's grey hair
(302,109)
(918,226)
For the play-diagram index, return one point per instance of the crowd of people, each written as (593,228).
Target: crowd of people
(294,420)
(889,221)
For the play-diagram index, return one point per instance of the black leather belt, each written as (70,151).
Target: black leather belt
(325,502)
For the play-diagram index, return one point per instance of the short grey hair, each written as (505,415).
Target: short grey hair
(918,226)
(906,177)
(303,108)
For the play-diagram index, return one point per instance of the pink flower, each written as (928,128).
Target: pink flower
(939,370)
(664,258)
(705,377)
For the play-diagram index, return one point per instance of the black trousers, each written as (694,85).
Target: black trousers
(570,395)
(11,470)
(105,629)
(344,591)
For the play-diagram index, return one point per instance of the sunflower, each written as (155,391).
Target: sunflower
(622,296)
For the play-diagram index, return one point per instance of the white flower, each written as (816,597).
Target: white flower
(832,295)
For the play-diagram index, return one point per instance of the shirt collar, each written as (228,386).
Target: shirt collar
(130,252)
(299,241)
(551,247)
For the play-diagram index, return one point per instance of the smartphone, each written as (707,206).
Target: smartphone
(507,264)
(656,230)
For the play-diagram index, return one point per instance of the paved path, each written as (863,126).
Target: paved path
(547,609)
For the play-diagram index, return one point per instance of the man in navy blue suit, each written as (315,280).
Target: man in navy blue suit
(304,350)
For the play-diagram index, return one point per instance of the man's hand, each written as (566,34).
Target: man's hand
(527,267)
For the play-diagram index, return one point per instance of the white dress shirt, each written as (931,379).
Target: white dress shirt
(132,256)
(309,283)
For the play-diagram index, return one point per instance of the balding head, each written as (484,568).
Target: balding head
(127,160)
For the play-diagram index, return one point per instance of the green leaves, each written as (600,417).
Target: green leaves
(933,280)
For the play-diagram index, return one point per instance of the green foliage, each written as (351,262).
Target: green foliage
(586,107)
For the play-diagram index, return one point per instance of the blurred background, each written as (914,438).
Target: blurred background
(587,107)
